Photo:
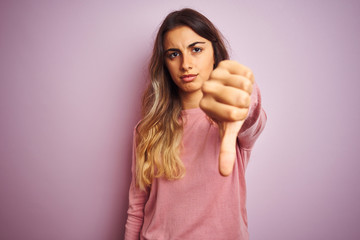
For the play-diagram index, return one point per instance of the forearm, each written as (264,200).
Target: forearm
(254,123)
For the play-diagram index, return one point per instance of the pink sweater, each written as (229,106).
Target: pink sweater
(203,204)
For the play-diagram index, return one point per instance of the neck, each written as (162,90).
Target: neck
(190,100)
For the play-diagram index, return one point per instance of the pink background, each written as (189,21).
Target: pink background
(71,76)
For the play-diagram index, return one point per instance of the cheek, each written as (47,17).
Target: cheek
(170,66)
(209,65)
(171,69)
(209,61)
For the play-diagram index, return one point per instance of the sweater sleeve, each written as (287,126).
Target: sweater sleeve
(137,200)
(254,123)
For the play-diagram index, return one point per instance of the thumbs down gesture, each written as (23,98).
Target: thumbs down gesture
(226,100)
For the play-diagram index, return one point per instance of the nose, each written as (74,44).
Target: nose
(186,62)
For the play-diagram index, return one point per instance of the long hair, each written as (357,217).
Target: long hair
(158,135)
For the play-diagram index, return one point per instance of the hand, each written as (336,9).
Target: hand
(226,99)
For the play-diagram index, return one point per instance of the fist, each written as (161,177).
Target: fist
(226,100)
(226,95)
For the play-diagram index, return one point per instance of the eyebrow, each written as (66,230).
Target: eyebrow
(190,45)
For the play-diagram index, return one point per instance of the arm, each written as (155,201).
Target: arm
(227,99)
(137,200)
(254,123)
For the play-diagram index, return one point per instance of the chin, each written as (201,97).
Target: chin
(193,88)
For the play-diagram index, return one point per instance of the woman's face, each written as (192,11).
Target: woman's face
(189,59)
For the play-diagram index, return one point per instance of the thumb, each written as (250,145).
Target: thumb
(227,154)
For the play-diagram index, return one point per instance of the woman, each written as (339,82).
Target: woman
(201,116)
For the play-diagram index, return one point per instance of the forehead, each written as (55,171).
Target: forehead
(181,37)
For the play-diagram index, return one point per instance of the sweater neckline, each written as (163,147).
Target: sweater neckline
(191,111)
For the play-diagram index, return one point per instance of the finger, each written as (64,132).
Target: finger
(250,76)
(227,95)
(222,112)
(220,73)
(227,154)
(232,80)
(234,67)
(239,81)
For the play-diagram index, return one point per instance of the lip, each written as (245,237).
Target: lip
(188,77)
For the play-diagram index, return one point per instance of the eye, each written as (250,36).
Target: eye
(173,55)
(197,49)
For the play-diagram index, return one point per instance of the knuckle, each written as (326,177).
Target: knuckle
(213,74)
(246,85)
(250,76)
(220,74)
(242,100)
(250,88)
(239,100)
(207,87)
(244,113)
(233,114)
(217,73)
(225,64)
(222,63)
(248,101)
(237,114)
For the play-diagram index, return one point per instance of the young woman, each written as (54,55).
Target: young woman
(201,116)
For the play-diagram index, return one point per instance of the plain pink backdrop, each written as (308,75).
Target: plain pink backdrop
(71,77)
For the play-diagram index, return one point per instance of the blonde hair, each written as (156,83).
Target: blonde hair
(159,133)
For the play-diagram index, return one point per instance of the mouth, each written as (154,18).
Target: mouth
(188,77)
